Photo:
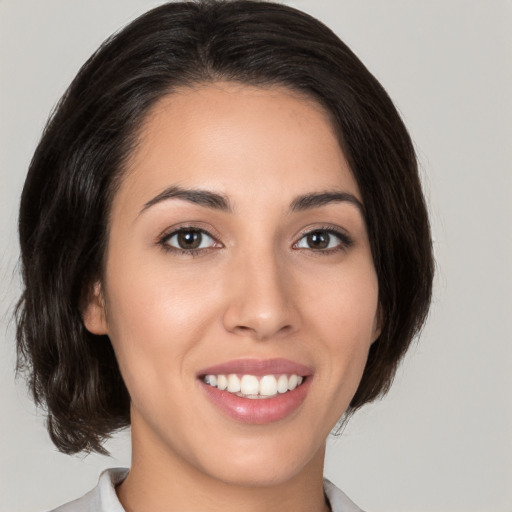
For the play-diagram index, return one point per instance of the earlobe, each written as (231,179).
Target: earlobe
(93,310)
(377,324)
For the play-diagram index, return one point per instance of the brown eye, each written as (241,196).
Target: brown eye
(318,240)
(321,239)
(190,239)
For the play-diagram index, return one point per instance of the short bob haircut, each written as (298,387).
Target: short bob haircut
(76,168)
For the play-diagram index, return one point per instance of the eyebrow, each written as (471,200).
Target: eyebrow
(196,196)
(221,202)
(318,199)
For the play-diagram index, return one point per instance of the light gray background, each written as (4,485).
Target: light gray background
(442,439)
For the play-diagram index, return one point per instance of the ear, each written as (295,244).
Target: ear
(377,324)
(93,310)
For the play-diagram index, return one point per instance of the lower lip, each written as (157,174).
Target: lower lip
(260,410)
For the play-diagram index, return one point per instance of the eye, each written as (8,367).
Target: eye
(189,239)
(323,239)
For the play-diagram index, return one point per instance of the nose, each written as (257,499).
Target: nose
(261,298)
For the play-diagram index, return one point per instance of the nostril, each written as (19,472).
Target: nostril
(261,319)
(262,333)
(242,329)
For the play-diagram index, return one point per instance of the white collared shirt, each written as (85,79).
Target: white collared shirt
(103,497)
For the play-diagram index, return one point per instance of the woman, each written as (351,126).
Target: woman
(225,246)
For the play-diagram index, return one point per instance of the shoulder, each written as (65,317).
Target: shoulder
(102,498)
(338,500)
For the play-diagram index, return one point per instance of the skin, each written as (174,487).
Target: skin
(257,291)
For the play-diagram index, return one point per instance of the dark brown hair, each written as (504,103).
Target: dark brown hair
(73,174)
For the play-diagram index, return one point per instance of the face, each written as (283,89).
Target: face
(239,294)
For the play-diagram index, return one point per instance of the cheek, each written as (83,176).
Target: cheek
(344,315)
(155,296)
(346,304)
(155,318)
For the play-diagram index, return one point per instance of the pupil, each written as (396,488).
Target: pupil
(189,239)
(318,240)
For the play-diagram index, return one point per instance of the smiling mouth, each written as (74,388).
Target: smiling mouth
(256,391)
(254,387)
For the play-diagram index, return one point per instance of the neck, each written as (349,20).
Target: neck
(162,481)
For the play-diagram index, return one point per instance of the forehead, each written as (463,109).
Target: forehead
(239,140)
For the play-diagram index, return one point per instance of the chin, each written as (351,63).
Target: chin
(266,473)
(265,463)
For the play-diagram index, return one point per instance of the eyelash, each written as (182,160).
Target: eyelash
(345,241)
(164,239)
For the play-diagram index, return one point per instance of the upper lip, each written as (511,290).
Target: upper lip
(258,367)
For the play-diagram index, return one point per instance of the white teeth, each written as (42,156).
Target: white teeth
(222,382)
(211,379)
(233,383)
(292,382)
(250,386)
(268,386)
(282,384)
